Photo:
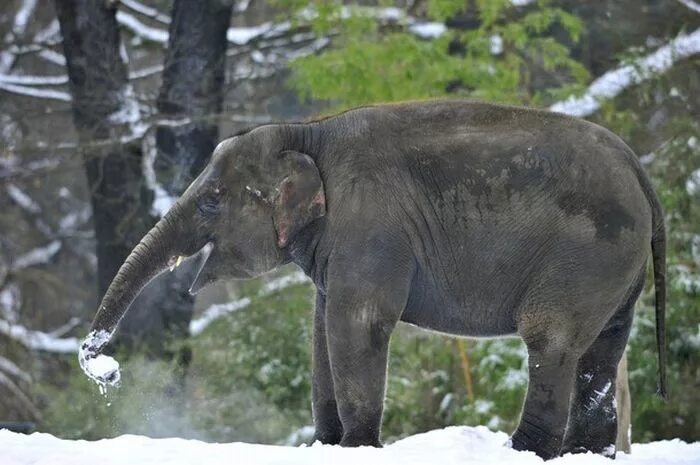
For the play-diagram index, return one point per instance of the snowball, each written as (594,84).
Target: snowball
(100,368)
(103,367)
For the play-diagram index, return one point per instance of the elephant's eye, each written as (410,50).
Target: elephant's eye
(209,204)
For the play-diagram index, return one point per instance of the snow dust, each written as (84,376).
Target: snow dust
(454,445)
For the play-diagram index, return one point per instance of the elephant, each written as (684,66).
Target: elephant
(464,218)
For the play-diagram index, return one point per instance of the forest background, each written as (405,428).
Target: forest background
(108,109)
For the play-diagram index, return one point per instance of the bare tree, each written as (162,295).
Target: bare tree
(105,109)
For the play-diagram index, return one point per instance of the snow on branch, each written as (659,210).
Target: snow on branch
(691,4)
(146,11)
(19,26)
(613,82)
(36,92)
(145,72)
(53,57)
(37,256)
(38,340)
(140,29)
(22,199)
(235,35)
(24,80)
(214,312)
(162,200)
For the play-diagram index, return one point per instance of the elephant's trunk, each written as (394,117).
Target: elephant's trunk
(162,247)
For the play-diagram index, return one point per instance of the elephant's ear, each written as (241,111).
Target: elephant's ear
(300,198)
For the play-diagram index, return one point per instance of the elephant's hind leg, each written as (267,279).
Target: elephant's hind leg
(593,417)
(546,408)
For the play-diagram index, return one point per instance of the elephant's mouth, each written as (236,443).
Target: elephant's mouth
(202,279)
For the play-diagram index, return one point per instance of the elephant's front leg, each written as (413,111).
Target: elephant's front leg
(359,321)
(329,429)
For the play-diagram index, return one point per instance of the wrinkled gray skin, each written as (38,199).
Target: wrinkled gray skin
(464,218)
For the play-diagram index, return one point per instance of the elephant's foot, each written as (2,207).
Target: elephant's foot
(355,440)
(534,439)
(608,451)
(331,438)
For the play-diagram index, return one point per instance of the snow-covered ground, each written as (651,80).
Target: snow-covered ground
(451,446)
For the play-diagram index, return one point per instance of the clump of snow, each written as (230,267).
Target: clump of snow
(496,44)
(450,446)
(102,369)
(521,2)
(693,183)
(428,30)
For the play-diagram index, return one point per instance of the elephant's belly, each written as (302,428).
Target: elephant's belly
(436,313)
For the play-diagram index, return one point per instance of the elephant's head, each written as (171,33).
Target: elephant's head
(242,211)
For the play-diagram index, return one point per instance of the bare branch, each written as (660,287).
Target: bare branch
(9,367)
(19,395)
(62,330)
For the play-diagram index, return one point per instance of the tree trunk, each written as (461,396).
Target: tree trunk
(101,97)
(103,109)
(624,407)
(192,90)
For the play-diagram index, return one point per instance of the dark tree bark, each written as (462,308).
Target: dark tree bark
(192,88)
(193,79)
(99,86)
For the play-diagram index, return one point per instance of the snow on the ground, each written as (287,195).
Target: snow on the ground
(451,446)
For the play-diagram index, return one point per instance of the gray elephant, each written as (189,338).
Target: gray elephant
(464,218)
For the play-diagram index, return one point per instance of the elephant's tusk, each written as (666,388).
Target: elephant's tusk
(177,262)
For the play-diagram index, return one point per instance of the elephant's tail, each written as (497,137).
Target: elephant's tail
(658,253)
